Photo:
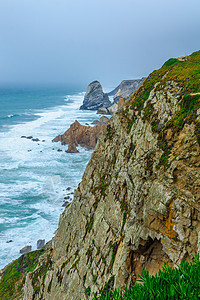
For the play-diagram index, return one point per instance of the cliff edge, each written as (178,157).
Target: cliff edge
(137,205)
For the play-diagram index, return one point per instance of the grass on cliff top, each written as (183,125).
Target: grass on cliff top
(13,277)
(179,283)
(185,73)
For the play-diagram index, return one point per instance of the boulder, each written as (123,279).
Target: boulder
(26,249)
(40,244)
(95,97)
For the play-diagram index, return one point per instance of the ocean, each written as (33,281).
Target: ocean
(34,176)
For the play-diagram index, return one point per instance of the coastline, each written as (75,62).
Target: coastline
(34,193)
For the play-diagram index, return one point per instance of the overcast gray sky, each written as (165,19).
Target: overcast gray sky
(77,41)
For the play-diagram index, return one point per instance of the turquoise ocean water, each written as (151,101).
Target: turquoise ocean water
(34,176)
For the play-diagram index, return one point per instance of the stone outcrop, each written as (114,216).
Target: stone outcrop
(77,134)
(26,249)
(125,89)
(95,97)
(138,204)
(72,148)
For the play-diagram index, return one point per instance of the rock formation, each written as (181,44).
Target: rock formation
(125,89)
(77,134)
(95,97)
(72,148)
(138,204)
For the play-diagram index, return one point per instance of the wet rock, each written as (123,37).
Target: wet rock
(26,249)
(59,150)
(29,137)
(23,137)
(72,149)
(67,197)
(40,244)
(65,203)
(10,241)
(68,189)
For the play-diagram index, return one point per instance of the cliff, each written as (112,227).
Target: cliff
(125,89)
(95,97)
(137,205)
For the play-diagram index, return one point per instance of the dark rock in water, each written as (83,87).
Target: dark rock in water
(59,150)
(86,124)
(43,141)
(65,204)
(67,197)
(26,249)
(29,150)
(95,97)
(40,244)
(68,189)
(10,241)
(23,137)
(72,193)
(29,137)
(35,140)
(72,149)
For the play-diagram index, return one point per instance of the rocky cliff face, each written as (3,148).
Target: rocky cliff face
(125,89)
(138,202)
(95,97)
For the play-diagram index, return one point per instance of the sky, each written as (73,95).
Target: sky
(74,42)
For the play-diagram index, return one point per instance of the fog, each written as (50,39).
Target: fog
(74,42)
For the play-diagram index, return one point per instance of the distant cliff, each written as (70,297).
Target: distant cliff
(125,89)
(138,204)
(95,97)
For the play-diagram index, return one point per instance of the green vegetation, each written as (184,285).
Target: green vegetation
(13,277)
(179,283)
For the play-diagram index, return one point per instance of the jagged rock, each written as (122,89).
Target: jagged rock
(35,140)
(26,249)
(95,97)
(77,134)
(40,244)
(59,150)
(72,148)
(29,137)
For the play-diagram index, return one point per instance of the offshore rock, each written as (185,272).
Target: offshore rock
(95,97)
(40,244)
(77,134)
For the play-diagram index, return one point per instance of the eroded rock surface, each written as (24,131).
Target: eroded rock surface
(95,97)
(85,136)
(137,205)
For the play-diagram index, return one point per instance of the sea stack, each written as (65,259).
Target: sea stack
(95,97)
